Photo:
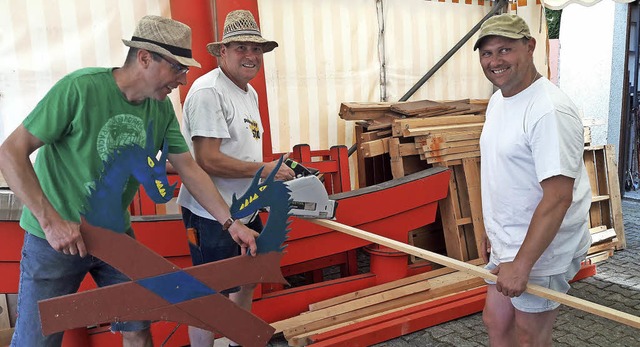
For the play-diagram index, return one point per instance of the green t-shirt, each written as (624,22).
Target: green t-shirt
(83,120)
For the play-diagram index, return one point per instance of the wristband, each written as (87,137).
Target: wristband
(227,224)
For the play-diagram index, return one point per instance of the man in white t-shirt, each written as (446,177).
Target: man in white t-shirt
(222,126)
(535,189)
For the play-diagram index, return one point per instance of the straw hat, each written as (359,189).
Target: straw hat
(240,26)
(164,36)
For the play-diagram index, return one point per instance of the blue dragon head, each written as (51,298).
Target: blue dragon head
(274,194)
(103,207)
(152,173)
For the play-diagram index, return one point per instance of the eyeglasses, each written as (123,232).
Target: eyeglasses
(178,69)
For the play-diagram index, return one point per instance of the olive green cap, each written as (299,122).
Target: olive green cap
(505,25)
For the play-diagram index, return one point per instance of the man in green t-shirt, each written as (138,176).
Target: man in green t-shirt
(91,129)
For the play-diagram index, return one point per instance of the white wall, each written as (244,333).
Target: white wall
(586,41)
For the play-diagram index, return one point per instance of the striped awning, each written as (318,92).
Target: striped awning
(560,4)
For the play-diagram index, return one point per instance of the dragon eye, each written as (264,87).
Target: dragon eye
(262,188)
(150,162)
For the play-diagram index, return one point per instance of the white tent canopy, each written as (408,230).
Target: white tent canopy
(560,4)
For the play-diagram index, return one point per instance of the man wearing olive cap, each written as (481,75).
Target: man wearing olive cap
(535,188)
(89,117)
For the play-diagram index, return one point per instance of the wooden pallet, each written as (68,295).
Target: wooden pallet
(605,215)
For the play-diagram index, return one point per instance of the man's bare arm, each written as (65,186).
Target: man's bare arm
(64,236)
(207,195)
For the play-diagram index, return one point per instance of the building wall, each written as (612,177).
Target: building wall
(586,55)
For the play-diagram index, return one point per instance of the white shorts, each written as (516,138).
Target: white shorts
(534,304)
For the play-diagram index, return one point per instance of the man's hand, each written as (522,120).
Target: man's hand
(512,280)
(244,236)
(284,172)
(65,237)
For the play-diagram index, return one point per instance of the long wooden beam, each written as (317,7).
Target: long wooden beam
(577,303)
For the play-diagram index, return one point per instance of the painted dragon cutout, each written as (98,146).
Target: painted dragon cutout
(159,290)
(103,207)
(268,193)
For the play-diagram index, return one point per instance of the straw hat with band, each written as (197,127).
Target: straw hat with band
(505,25)
(164,36)
(240,26)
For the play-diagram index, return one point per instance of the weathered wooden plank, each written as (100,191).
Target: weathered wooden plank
(429,153)
(472,174)
(384,287)
(401,125)
(440,129)
(436,143)
(616,200)
(363,110)
(448,284)
(602,236)
(595,217)
(452,238)
(4,313)
(382,301)
(443,158)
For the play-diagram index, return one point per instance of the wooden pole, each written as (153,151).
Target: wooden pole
(577,303)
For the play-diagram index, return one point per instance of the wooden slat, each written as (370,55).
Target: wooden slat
(5,336)
(364,110)
(443,128)
(595,218)
(577,303)
(400,126)
(397,165)
(614,192)
(444,158)
(598,198)
(603,188)
(429,153)
(597,229)
(377,302)
(450,286)
(375,147)
(603,246)
(384,287)
(600,256)
(437,143)
(4,313)
(452,238)
(472,174)
(448,137)
(603,236)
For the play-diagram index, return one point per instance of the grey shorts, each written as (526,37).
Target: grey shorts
(534,304)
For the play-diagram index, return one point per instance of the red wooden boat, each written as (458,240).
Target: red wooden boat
(390,209)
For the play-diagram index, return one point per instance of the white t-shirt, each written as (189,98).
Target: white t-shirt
(527,138)
(216,107)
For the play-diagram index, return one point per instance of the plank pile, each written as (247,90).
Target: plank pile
(433,296)
(397,139)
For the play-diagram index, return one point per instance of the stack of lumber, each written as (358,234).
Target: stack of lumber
(397,139)
(427,299)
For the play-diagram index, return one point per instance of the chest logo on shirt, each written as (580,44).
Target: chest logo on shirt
(253,126)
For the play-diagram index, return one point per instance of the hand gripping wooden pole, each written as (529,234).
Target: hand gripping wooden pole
(577,303)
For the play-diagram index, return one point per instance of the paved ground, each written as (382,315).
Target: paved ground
(617,285)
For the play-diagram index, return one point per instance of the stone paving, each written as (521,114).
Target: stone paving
(616,285)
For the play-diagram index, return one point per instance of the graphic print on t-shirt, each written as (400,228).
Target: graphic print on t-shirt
(253,126)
